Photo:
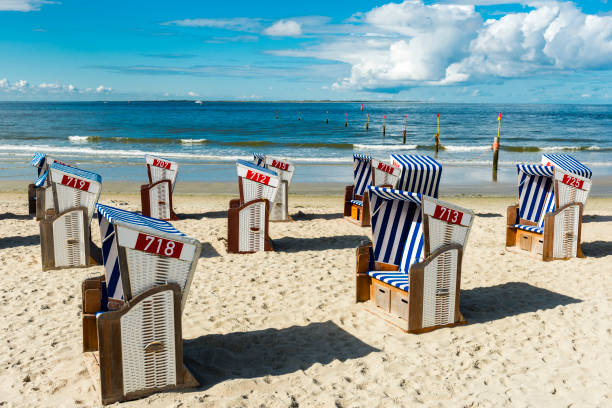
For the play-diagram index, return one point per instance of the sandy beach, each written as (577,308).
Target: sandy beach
(281,329)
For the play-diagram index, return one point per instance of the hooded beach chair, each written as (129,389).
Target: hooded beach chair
(65,239)
(279,208)
(248,216)
(156,197)
(410,274)
(547,221)
(40,186)
(132,336)
(354,195)
(419,174)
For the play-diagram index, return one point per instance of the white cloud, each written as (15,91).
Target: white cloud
(284,28)
(4,83)
(414,44)
(45,85)
(23,5)
(22,84)
(233,24)
(103,89)
(191,93)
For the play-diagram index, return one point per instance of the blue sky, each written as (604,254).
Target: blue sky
(446,51)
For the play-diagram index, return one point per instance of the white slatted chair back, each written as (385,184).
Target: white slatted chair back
(420,174)
(396,222)
(446,223)
(148,323)
(362,174)
(385,174)
(536,195)
(161,169)
(74,187)
(257,182)
(141,252)
(570,188)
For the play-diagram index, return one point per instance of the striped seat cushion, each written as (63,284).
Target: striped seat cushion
(357,202)
(531,228)
(400,280)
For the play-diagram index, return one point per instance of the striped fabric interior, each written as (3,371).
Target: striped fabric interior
(531,228)
(77,172)
(420,174)
(362,176)
(536,192)
(38,160)
(567,163)
(400,280)
(397,235)
(357,202)
(41,179)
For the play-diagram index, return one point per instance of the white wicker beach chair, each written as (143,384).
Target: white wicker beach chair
(156,197)
(547,221)
(248,216)
(149,266)
(410,274)
(65,239)
(279,208)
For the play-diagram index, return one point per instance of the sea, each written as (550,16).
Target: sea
(206,138)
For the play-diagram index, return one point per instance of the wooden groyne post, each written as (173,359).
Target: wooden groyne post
(405,126)
(299,115)
(326,116)
(345,119)
(368,123)
(276,114)
(384,126)
(437,135)
(496,147)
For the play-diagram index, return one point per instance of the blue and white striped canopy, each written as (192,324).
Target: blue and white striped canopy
(535,170)
(38,160)
(362,174)
(567,163)
(113,214)
(77,172)
(253,166)
(420,174)
(260,159)
(397,233)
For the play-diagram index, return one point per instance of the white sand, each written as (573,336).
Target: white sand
(282,329)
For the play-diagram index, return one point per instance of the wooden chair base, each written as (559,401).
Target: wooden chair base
(92,362)
(288,219)
(532,243)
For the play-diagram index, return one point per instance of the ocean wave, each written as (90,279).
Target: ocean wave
(83,139)
(386,147)
(193,141)
(451,148)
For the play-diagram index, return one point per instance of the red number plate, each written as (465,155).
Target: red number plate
(161,163)
(385,167)
(75,183)
(158,246)
(280,165)
(258,177)
(448,214)
(572,181)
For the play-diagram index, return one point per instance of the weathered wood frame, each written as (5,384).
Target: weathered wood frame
(102,343)
(145,198)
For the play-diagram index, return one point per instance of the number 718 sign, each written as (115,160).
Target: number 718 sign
(158,245)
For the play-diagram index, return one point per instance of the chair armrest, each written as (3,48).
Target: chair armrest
(234,203)
(363,258)
(549,229)
(348,196)
(512,217)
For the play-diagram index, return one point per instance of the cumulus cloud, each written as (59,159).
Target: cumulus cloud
(103,89)
(47,88)
(191,93)
(284,28)
(414,44)
(4,83)
(23,5)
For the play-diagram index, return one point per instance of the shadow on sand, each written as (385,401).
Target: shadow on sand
(597,249)
(485,304)
(488,215)
(300,216)
(291,244)
(208,251)
(219,357)
(13,242)
(596,218)
(12,216)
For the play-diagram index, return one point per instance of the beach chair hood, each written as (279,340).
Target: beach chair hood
(420,174)
(257,182)
(75,187)
(161,169)
(362,176)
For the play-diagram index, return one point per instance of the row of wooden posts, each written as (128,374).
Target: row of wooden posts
(436,137)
